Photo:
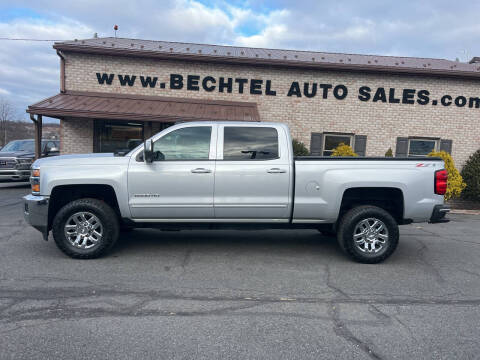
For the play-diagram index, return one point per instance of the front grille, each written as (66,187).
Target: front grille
(7,163)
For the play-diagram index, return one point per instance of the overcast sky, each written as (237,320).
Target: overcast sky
(29,71)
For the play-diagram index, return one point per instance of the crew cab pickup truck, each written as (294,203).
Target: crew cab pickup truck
(240,175)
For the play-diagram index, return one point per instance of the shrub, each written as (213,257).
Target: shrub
(389,153)
(455,184)
(299,148)
(343,150)
(471,176)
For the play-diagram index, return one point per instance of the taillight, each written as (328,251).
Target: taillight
(441,177)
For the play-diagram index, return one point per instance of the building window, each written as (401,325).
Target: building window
(323,144)
(421,147)
(332,141)
(417,146)
(117,136)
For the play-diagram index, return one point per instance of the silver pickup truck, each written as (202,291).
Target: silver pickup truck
(232,175)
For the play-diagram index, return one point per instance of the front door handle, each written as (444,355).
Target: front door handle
(276,171)
(201,171)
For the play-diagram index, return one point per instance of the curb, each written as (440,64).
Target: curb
(469,212)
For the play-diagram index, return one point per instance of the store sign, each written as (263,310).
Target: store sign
(296,89)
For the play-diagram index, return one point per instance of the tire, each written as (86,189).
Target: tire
(89,244)
(362,236)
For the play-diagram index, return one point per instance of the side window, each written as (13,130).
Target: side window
(250,143)
(46,146)
(190,143)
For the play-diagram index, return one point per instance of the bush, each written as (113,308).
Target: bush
(389,153)
(343,150)
(471,176)
(299,148)
(455,184)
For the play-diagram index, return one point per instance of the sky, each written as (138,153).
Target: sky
(29,71)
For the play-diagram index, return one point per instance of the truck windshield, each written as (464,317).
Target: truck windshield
(19,145)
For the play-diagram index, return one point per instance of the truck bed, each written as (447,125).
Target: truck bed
(365,158)
(321,182)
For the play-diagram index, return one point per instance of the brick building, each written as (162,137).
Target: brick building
(116,92)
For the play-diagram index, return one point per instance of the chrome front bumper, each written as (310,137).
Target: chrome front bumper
(35,211)
(14,174)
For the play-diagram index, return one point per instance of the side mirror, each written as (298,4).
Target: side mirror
(148,151)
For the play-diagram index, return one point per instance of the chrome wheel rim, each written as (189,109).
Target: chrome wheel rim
(370,235)
(83,230)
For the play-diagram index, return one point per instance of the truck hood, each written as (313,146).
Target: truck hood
(82,159)
(17,154)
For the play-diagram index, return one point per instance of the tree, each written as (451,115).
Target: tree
(299,148)
(343,150)
(7,112)
(471,176)
(389,153)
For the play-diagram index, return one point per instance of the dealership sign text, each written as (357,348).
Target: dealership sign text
(296,89)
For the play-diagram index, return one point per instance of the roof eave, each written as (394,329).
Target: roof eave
(265,62)
(43,108)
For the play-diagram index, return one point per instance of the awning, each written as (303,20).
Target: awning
(147,108)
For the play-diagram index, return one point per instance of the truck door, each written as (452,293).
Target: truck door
(253,174)
(179,183)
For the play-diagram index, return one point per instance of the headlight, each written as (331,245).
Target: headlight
(35,181)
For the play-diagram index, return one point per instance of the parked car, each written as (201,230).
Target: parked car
(17,156)
(232,174)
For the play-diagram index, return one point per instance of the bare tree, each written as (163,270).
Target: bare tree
(7,113)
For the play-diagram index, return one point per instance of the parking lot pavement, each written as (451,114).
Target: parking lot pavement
(239,294)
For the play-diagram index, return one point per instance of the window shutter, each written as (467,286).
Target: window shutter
(402,147)
(360,146)
(316,144)
(446,145)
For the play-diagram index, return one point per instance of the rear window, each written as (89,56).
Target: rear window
(250,143)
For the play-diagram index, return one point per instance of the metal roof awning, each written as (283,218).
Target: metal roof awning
(167,50)
(147,108)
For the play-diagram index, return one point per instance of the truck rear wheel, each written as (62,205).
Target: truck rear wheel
(85,228)
(368,234)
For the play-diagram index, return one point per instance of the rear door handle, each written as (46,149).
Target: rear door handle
(201,171)
(276,171)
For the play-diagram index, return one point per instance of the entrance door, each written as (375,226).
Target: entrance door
(253,174)
(178,185)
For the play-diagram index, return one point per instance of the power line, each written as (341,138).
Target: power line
(24,39)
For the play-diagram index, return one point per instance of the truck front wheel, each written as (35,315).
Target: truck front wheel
(85,228)
(368,234)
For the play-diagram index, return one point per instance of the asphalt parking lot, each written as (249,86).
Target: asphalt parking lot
(237,295)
